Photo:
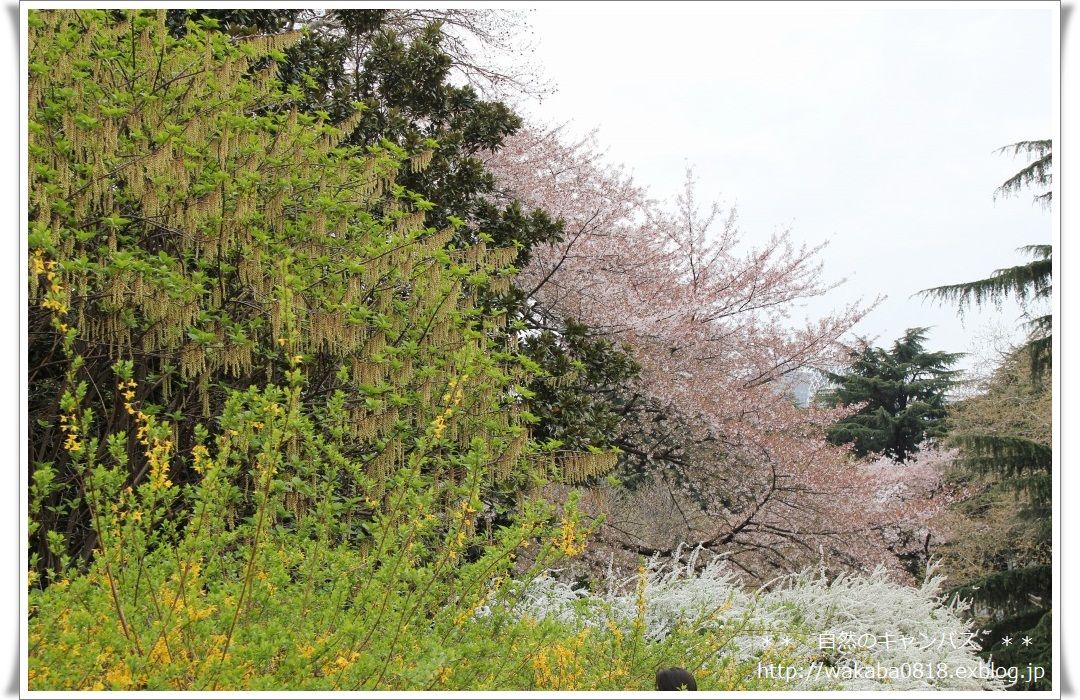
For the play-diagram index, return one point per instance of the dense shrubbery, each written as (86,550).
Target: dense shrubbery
(280,424)
(831,631)
(291,589)
(241,330)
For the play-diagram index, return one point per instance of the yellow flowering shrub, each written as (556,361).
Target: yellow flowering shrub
(266,494)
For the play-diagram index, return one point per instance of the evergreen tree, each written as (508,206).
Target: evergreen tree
(1013,600)
(397,65)
(1026,282)
(904,391)
(1017,594)
(1029,281)
(1038,173)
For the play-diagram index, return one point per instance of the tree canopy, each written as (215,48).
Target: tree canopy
(901,392)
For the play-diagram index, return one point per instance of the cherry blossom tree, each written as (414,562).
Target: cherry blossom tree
(712,324)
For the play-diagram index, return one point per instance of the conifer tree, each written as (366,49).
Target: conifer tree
(1038,173)
(1017,594)
(904,390)
(1004,438)
(1025,282)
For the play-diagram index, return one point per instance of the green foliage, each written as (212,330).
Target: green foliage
(410,101)
(573,359)
(234,21)
(257,584)
(271,581)
(1016,593)
(215,245)
(1022,464)
(1005,435)
(1030,281)
(242,473)
(281,431)
(1034,626)
(1005,450)
(1018,632)
(903,391)
(278,609)
(413,104)
(1023,282)
(1037,173)
(405,84)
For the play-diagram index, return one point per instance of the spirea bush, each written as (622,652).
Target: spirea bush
(802,632)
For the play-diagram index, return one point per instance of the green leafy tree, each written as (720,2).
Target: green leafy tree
(251,351)
(400,65)
(396,63)
(580,390)
(904,391)
(202,227)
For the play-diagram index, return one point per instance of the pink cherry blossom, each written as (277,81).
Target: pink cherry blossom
(712,323)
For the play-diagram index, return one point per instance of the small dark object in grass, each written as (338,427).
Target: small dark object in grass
(675,679)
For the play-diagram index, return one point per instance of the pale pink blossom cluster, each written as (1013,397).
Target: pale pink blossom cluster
(712,324)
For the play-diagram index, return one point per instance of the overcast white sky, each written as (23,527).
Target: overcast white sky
(871,125)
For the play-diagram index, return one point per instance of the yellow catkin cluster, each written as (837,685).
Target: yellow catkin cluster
(389,460)
(506,461)
(421,161)
(365,371)
(576,467)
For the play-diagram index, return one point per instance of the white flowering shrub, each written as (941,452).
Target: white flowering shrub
(804,631)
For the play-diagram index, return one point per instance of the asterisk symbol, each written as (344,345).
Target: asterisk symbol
(1007,641)
(1026,641)
(766,641)
(786,640)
